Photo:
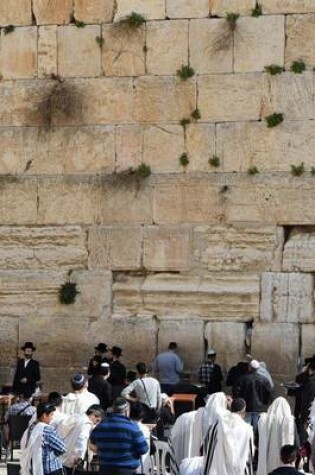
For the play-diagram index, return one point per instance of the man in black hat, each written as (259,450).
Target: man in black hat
(117,372)
(101,355)
(27,373)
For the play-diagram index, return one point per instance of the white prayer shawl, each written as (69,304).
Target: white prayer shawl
(78,403)
(180,440)
(31,460)
(276,428)
(216,406)
(75,431)
(231,447)
(191,466)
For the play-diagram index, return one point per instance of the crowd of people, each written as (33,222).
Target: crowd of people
(117,414)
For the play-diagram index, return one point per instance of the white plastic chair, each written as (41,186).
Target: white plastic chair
(161,458)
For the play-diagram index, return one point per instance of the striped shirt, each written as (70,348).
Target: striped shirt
(119,441)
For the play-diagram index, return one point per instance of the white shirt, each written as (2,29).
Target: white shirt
(79,402)
(148,391)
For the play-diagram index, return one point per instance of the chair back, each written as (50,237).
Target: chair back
(13,468)
(17,426)
(162,458)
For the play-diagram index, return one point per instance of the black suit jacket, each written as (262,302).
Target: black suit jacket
(31,373)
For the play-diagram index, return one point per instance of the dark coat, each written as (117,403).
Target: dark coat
(256,391)
(31,373)
(307,397)
(102,389)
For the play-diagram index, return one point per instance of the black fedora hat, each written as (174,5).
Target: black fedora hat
(116,351)
(28,344)
(102,347)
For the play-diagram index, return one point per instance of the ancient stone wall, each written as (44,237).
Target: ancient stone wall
(192,253)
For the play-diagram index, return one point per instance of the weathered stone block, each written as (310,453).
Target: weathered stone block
(123,50)
(298,252)
(210,48)
(149,10)
(214,296)
(167,46)
(277,345)
(238,248)
(17,148)
(163,99)
(57,378)
(18,202)
(141,344)
(42,248)
(18,54)
(291,94)
(15,12)
(47,51)
(79,54)
(8,341)
(200,145)
(242,145)
(250,35)
(230,97)
(287,298)
(96,11)
(167,248)
(129,147)
(227,338)
(187,9)
(300,33)
(162,147)
(222,7)
(116,248)
(55,13)
(188,334)
(290,6)
(308,335)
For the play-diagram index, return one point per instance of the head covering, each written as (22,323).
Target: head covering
(44,408)
(120,404)
(211,352)
(215,407)
(254,364)
(28,344)
(116,351)
(102,347)
(78,379)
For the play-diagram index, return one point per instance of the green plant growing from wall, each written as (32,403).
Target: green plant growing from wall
(225,38)
(68,292)
(195,115)
(8,29)
(274,119)
(134,20)
(252,170)
(184,160)
(298,170)
(214,161)
(142,171)
(224,189)
(100,41)
(274,69)
(184,122)
(79,24)
(257,11)
(313,171)
(298,67)
(232,18)
(185,72)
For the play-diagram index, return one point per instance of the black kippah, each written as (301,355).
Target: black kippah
(238,405)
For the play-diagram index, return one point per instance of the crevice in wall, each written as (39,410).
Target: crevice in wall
(34,20)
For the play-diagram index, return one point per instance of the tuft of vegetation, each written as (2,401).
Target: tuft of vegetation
(134,20)
(313,171)
(232,18)
(185,72)
(214,161)
(79,24)
(274,69)
(67,293)
(298,170)
(196,114)
(8,29)
(274,119)
(298,67)
(252,171)
(145,49)
(142,171)
(100,41)
(224,189)
(184,160)
(184,122)
(257,11)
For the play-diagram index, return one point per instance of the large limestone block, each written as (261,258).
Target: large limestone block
(96,11)
(214,296)
(15,12)
(149,10)
(61,202)
(79,54)
(163,99)
(57,12)
(200,145)
(123,50)
(207,51)
(227,338)
(222,7)
(259,42)
(141,341)
(187,9)
(162,147)
(35,293)
(56,378)
(188,334)
(18,202)
(291,94)
(300,33)
(42,247)
(18,53)
(289,6)
(287,297)
(167,248)
(242,145)
(47,51)
(19,148)
(116,248)
(129,147)
(238,248)
(224,98)
(308,335)
(8,340)
(277,344)
(299,250)
(167,46)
